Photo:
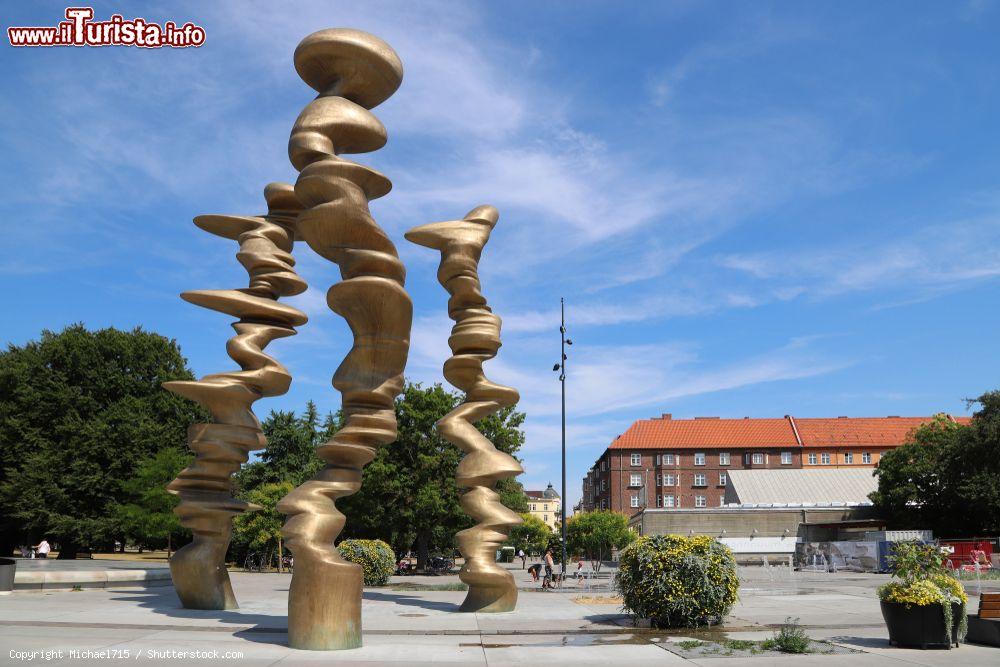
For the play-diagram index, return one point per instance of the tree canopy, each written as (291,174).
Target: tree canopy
(946,477)
(595,534)
(146,512)
(79,410)
(533,535)
(409,493)
(261,530)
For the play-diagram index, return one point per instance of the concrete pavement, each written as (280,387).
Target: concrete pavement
(143,626)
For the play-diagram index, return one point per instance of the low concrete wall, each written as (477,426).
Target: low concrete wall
(66,580)
(740,522)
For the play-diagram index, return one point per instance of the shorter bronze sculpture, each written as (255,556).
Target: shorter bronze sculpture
(475,338)
(207,505)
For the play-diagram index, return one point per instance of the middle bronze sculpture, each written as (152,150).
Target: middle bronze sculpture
(475,338)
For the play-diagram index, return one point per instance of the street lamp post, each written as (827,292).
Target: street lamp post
(561,367)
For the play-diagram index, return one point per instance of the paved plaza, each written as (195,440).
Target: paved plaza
(423,626)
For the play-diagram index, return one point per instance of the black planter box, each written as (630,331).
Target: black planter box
(7,568)
(920,626)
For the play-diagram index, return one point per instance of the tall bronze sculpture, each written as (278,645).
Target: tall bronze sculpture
(352,71)
(207,505)
(475,338)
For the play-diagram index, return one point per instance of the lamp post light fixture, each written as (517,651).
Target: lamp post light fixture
(561,367)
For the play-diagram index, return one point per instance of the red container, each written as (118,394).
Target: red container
(962,555)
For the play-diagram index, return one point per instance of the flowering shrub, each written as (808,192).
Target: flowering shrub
(374,556)
(678,581)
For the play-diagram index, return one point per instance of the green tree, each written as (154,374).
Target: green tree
(290,453)
(409,493)
(146,514)
(79,410)
(533,535)
(946,477)
(596,534)
(261,530)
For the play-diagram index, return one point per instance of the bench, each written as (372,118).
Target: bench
(989,605)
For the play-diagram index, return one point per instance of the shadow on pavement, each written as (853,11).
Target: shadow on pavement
(411,601)
(266,629)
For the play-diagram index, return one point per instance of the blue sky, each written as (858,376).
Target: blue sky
(751,208)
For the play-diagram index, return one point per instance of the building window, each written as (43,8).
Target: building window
(699,501)
(532,507)
(824,458)
(723,458)
(848,457)
(659,501)
(699,459)
(545,518)
(722,479)
(699,479)
(635,480)
(866,457)
(634,502)
(722,501)
(668,460)
(812,459)
(668,501)
(604,485)
(669,480)
(786,458)
(659,480)
(636,459)
(758,459)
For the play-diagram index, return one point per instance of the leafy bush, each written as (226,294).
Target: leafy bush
(374,556)
(678,581)
(789,639)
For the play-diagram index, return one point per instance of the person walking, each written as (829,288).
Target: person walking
(523,557)
(549,565)
(42,549)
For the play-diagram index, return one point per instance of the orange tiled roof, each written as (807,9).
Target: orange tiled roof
(887,431)
(695,433)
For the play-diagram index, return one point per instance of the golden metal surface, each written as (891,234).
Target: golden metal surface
(475,338)
(352,71)
(207,505)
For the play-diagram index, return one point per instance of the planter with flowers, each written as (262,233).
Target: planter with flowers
(923,605)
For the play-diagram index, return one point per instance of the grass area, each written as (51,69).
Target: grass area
(152,556)
(971,576)
(457,586)
(691,644)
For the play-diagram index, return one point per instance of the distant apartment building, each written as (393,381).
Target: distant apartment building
(667,463)
(544,505)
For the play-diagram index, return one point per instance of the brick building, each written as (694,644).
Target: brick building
(683,463)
